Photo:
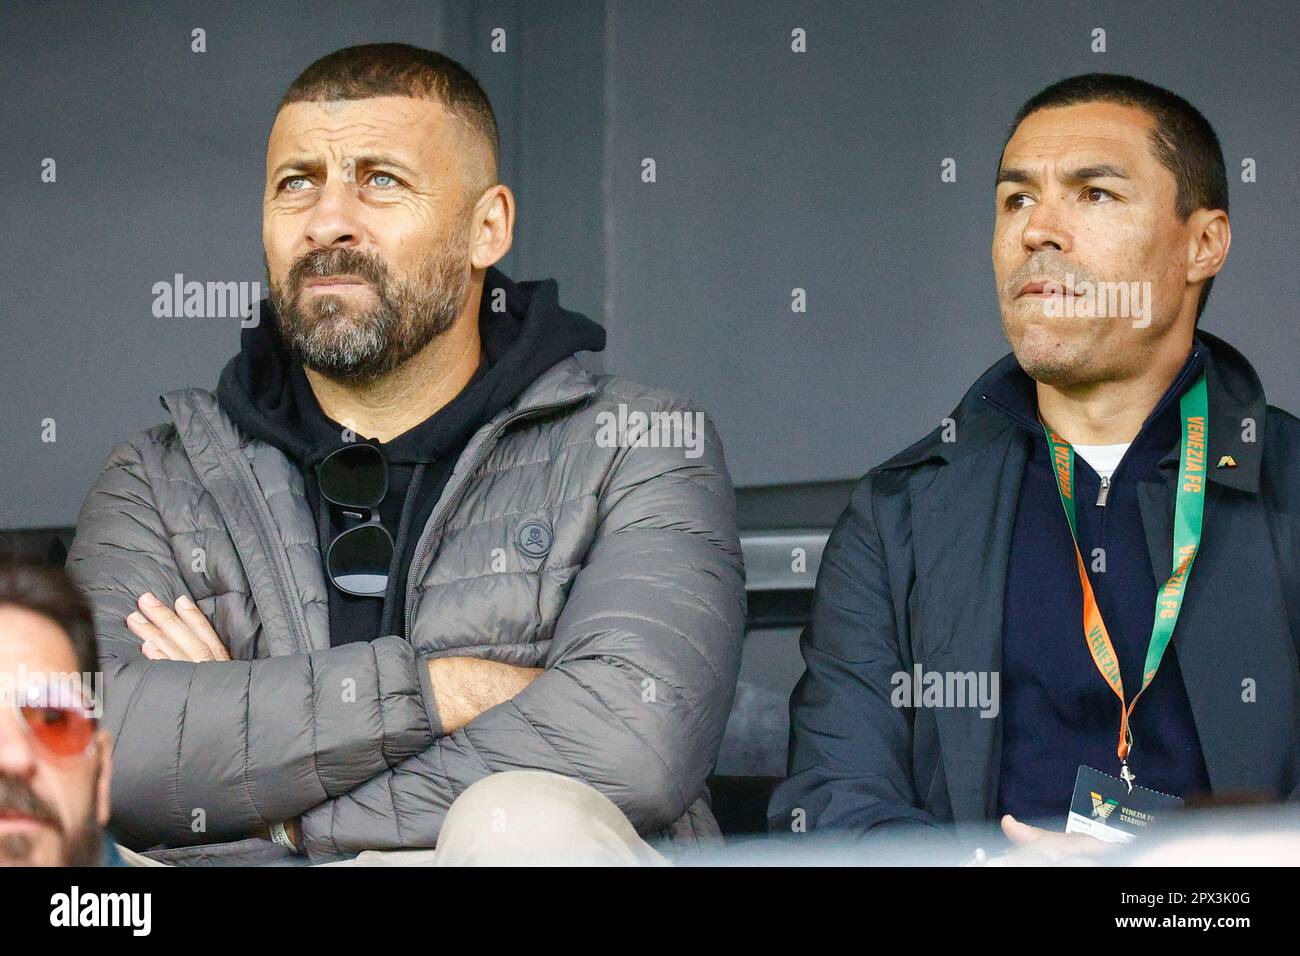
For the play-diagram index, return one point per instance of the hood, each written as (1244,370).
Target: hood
(266,393)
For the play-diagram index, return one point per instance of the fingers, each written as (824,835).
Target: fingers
(1020,833)
(156,644)
(170,636)
(1088,845)
(198,621)
(1034,846)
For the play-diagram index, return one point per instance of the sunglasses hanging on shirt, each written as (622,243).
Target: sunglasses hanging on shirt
(354,479)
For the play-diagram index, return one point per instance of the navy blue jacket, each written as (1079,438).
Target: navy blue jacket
(1057,712)
(915,574)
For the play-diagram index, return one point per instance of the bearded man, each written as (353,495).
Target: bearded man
(391,589)
(55,759)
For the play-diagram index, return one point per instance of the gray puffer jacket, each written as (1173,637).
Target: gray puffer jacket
(635,610)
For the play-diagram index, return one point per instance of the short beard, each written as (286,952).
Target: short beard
(361,348)
(85,847)
(1050,371)
(1059,365)
(81,847)
(15,850)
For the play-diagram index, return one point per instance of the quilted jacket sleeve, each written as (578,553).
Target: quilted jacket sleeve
(638,682)
(214,751)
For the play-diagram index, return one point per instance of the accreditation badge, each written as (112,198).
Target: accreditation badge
(1109,809)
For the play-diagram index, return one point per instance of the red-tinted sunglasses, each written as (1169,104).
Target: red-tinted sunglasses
(61,731)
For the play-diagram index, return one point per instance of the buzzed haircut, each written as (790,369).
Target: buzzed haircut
(49,591)
(399,69)
(1183,139)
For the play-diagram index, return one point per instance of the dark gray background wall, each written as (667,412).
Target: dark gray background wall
(775,170)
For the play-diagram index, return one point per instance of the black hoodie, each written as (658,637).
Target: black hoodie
(266,393)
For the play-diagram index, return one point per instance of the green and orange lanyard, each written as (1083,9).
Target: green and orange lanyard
(1189,512)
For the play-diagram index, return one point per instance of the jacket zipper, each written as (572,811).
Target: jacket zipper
(1103,492)
(435,526)
(276,555)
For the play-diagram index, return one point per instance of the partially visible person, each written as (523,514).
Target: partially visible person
(55,760)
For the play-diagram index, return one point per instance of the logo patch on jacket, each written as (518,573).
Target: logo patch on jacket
(534,538)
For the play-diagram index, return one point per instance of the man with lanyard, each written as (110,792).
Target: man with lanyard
(1188,514)
(1105,529)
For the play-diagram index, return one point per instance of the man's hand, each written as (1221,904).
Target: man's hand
(464,687)
(1033,846)
(183,634)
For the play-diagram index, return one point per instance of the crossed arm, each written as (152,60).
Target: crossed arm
(463,687)
(208,752)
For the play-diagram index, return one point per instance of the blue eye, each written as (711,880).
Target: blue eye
(288,180)
(377,176)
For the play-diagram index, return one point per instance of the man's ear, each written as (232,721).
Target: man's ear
(1211,236)
(103,776)
(492,226)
